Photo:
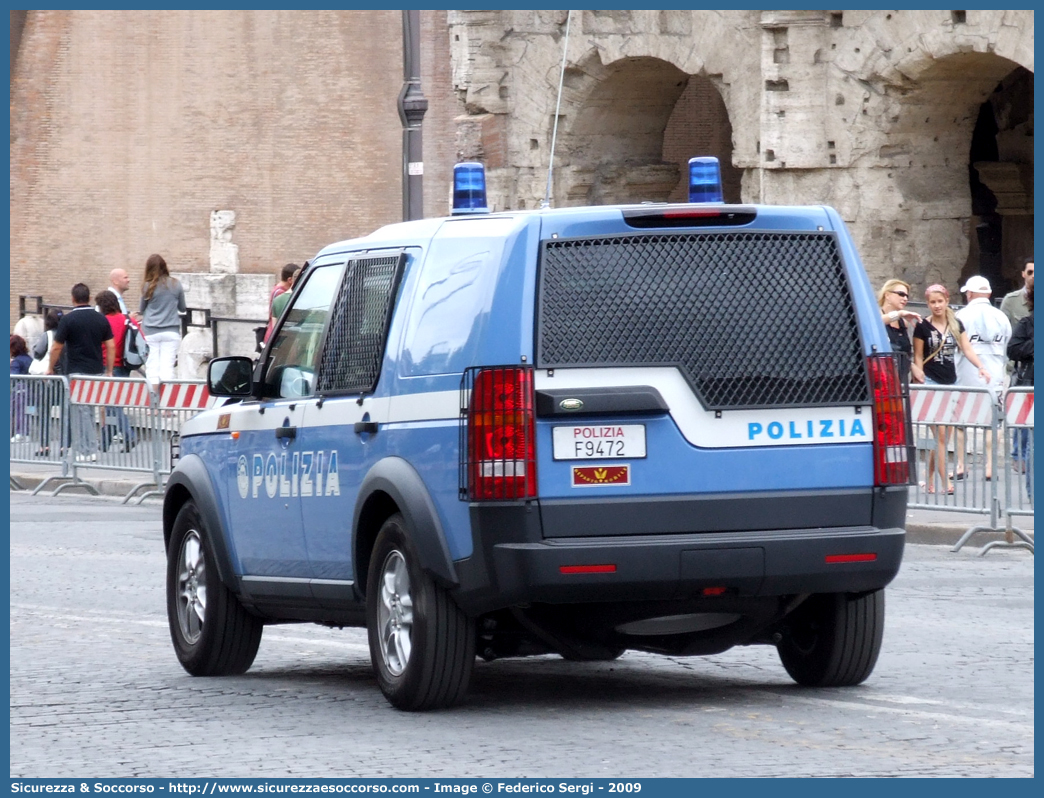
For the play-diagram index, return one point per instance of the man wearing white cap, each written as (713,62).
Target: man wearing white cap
(988,332)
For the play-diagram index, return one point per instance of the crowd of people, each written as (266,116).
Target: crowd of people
(93,340)
(970,347)
(102,338)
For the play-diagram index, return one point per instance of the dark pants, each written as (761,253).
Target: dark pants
(46,395)
(19,421)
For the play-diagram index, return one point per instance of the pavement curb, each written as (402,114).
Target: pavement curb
(948,534)
(105,487)
(935,533)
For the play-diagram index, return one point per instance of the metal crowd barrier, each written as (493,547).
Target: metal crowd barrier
(39,421)
(1018,483)
(106,423)
(117,424)
(969,431)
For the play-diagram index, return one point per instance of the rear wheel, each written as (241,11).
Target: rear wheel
(833,639)
(212,634)
(422,645)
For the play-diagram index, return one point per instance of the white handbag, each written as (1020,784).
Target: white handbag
(40,366)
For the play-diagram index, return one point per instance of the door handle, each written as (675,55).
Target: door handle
(365,426)
(286,432)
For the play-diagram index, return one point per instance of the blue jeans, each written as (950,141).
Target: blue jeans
(1020,444)
(1027,458)
(116,419)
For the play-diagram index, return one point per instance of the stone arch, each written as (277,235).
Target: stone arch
(612,146)
(928,153)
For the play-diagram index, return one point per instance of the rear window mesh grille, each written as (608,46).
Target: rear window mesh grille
(355,344)
(751,319)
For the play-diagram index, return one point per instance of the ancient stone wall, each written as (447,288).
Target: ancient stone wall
(871,112)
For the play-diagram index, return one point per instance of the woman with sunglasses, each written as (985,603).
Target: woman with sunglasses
(892,298)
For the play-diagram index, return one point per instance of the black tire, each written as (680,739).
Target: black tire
(212,634)
(422,645)
(833,639)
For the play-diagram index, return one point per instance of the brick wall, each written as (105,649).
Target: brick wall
(700,125)
(443,107)
(129,128)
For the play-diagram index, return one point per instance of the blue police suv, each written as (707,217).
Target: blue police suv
(672,428)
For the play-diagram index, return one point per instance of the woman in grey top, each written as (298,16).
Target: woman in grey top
(160,310)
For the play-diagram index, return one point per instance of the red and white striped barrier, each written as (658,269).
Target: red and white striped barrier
(108,391)
(951,406)
(185,396)
(131,392)
(1018,409)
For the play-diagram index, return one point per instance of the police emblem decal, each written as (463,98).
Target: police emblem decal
(224,420)
(243,477)
(594,476)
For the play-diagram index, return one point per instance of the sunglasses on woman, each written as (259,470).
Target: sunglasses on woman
(903,294)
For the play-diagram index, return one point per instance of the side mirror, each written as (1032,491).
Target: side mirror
(230,376)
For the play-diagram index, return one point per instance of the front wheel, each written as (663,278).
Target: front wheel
(212,634)
(422,645)
(833,639)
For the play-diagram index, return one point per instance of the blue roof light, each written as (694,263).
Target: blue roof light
(469,188)
(704,180)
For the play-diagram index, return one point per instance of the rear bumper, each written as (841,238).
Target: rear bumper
(514,564)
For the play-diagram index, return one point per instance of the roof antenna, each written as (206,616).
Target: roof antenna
(546,202)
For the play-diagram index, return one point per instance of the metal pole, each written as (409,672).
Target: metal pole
(546,202)
(412,106)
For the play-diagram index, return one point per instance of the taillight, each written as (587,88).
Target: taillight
(692,216)
(499,446)
(892,432)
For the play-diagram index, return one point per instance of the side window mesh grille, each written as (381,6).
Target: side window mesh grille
(355,344)
(751,319)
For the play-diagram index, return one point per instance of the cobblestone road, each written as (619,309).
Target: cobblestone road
(97,692)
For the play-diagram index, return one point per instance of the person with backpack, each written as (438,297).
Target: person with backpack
(121,325)
(131,348)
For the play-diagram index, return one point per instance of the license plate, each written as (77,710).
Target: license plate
(610,442)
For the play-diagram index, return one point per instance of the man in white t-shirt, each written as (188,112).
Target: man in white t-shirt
(988,332)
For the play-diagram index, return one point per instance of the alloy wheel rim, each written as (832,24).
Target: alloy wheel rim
(192,587)
(395,614)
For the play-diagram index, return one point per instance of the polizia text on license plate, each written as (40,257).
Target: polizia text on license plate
(596,442)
